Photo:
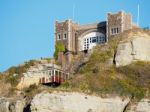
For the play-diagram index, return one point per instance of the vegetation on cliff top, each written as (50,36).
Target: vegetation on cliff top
(100,77)
(14,74)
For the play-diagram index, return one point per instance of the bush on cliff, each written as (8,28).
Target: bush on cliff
(59,47)
(14,74)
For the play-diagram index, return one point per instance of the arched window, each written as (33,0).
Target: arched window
(90,40)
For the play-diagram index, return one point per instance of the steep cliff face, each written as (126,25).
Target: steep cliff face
(142,106)
(76,102)
(11,105)
(133,49)
(79,102)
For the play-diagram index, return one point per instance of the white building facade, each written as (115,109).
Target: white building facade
(90,40)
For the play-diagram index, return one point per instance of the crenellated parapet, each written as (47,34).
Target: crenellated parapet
(118,23)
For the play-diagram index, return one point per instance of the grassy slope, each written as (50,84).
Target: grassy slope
(97,76)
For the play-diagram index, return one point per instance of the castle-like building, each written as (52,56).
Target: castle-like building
(77,38)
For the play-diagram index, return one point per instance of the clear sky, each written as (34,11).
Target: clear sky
(27,26)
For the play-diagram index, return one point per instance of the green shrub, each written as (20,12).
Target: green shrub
(132,90)
(11,92)
(13,80)
(1,76)
(48,59)
(29,63)
(59,47)
(65,84)
(97,60)
(31,88)
(100,56)
(31,91)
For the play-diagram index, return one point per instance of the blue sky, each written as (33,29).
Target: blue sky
(27,26)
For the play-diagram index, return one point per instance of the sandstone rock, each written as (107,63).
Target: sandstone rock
(4,88)
(73,102)
(142,106)
(27,81)
(76,102)
(10,105)
(133,49)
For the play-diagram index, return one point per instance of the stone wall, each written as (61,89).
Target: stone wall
(61,58)
(120,20)
(65,59)
(67,28)
(61,28)
(127,21)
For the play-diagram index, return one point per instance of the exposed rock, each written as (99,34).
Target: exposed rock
(27,81)
(76,102)
(133,49)
(73,102)
(11,105)
(142,106)
(4,88)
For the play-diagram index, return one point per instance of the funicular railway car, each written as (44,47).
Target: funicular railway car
(54,76)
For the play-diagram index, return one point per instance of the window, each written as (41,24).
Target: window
(103,39)
(90,40)
(65,36)
(58,37)
(117,30)
(94,40)
(114,31)
(97,39)
(87,41)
